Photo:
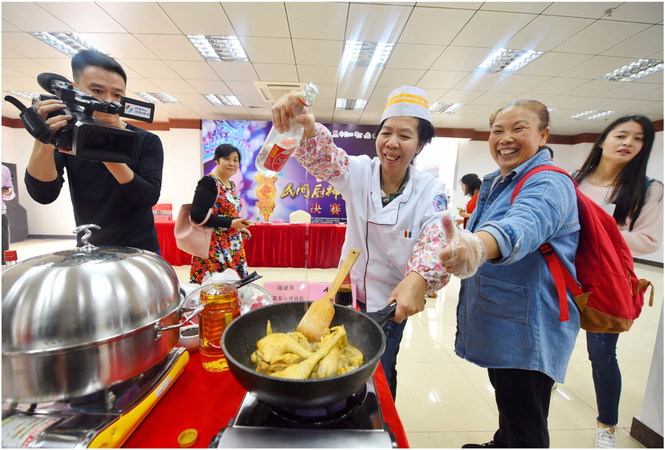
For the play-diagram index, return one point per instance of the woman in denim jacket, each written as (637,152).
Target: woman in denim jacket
(508,311)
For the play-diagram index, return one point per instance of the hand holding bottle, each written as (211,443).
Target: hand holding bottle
(464,252)
(289,109)
(291,114)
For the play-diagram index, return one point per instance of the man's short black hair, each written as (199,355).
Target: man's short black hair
(92,57)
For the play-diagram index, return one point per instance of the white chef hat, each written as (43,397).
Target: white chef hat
(407,101)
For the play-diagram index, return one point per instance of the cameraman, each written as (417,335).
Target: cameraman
(116,196)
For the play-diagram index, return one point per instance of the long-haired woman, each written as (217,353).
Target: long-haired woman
(614,176)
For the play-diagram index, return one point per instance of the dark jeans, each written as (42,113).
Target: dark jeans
(602,348)
(5,236)
(523,400)
(393,332)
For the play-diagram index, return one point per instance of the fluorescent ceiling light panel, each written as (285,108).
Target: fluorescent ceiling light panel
(158,97)
(219,48)
(226,100)
(506,60)
(365,53)
(67,43)
(350,104)
(445,108)
(592,114)
(635,70)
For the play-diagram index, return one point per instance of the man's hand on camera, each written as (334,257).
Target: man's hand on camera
(46,107)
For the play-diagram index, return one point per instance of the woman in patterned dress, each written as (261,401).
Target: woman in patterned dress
(217,204)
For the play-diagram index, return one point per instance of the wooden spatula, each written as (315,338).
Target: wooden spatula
(318,317)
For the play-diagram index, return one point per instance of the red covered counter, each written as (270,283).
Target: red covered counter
(207,401)
(315,245)
(167,245)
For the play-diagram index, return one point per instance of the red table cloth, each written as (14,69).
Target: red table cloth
(167,245)
(315,245)
(207,401)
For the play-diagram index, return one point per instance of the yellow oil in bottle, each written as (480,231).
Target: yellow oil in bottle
(222,306)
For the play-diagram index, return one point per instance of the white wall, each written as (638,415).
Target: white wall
(183,168)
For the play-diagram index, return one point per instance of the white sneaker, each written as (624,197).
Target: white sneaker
(605,438)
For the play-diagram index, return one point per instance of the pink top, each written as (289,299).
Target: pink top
(648,230)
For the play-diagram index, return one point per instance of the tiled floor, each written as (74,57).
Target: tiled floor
(444,401)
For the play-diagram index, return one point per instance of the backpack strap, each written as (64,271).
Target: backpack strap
(562,277)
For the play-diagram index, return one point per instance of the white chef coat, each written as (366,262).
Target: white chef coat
(384,236)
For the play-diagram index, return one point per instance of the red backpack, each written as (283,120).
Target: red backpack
(611,296)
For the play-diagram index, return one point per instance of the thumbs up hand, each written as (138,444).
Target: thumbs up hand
(463,252)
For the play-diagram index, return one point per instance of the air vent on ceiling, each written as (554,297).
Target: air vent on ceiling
(271,91)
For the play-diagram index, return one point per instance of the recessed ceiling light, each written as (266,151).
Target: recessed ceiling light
(158,97)
(365,53)
(219,48)
(67,43)
(445,108)
(592,114)
(635,70)
(226,100)
(350,104)
(506,60)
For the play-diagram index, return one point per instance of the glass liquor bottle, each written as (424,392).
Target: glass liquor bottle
(278,146)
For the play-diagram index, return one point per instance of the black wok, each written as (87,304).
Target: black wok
(239,342)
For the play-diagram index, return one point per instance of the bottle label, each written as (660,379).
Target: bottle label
(277,158)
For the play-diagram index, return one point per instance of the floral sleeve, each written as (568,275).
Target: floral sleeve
(425,258)
(321,157)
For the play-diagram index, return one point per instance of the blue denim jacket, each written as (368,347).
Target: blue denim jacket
(508,312)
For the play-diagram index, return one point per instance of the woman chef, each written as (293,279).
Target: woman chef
(393,209)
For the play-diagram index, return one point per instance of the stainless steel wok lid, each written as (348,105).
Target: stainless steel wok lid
(77,321)
(82,296)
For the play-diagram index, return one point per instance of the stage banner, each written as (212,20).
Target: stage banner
(272,199)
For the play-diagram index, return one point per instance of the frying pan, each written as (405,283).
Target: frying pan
(239,342)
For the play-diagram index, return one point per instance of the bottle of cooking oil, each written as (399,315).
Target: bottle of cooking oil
(278,146)
(222,305)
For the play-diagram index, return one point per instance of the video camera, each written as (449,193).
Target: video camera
(84,135)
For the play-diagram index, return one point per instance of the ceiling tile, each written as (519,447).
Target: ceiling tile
(595,67)
(170,47)
(234,70)
(210,86)
(461,58)
(147,68)
(276,72)
(376,23)
(83,16)
(258,19)
(546,32)
(317,20)
(120,45)
(268,50)
(393,77)
(318,52)
(600,36)
(481,30)
(193,70)
(414,56)
(640,45)
(645,12)
(198,17)
(140,17)
(427,25)
(591,10)
(31,17)
(317,74)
